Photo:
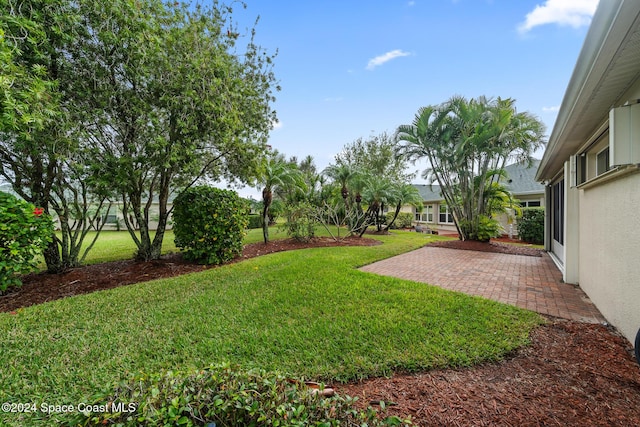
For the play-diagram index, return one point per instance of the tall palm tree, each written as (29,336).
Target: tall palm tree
(277,174)
(465,141)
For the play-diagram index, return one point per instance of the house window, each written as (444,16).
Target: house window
(557,197)
(602,161)
(591,162)
(426,215)
(531,204)
(446,217)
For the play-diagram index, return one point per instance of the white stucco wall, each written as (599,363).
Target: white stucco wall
(610,250)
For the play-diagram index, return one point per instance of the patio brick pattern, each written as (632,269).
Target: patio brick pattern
(534,283)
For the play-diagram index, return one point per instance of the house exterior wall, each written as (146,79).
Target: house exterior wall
(609,267)
(436,225)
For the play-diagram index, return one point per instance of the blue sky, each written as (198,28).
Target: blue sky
(354,68)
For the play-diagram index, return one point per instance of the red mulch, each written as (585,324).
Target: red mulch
(571,374)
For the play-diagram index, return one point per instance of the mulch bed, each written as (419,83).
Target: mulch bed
(494,246)
(43,287)
(572,373)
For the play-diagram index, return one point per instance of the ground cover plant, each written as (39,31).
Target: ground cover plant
(307,314)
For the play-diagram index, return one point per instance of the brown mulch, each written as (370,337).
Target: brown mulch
(496,245)
(572,373)
(44,287)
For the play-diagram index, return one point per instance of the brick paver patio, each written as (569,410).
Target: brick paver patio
(534,283)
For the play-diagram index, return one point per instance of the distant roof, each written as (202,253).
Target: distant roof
(521,179)
(429,193)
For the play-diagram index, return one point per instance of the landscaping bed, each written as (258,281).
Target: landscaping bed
(572,373)
(42,287)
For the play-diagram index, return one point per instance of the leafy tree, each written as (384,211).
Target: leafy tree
(375,156)
(39,154)
(467,143)
(277,174)
(168,98)
(370,172)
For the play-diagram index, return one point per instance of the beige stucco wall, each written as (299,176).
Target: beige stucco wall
(610,250)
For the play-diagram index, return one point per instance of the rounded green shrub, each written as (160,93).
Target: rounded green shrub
(404,220)
(223,396)
(255,221)
(209,224)
(25,231)
(531,225)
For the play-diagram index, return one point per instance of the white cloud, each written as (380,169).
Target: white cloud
(277,124)
(381,59)
(573,13)
(553,109)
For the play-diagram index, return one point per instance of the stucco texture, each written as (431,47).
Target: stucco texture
(610,250)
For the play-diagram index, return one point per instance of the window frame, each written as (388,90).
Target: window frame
(448,215)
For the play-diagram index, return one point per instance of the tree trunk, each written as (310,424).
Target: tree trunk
(267,197)
(52,257)
(395,216)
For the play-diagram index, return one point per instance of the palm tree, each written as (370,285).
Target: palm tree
(466,141)
(378,192)
(277,174)
(406,194)
(341,173)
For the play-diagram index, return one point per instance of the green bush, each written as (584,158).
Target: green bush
(276,210)
(255,221)
(301,223)
(484,229)
(531,225)
(209,224)
(404,220)
(24,232)
(223,396)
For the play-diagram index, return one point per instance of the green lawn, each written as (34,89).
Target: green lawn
(307,313)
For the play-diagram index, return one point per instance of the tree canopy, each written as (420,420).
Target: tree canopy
(130,101)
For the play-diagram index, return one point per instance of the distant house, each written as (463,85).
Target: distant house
(591,164)
(520,182)
(114,219)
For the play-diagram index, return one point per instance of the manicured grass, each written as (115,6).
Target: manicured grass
(307,313)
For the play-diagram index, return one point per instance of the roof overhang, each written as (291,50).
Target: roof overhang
(608,64)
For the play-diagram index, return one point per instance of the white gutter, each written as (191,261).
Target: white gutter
(584,74)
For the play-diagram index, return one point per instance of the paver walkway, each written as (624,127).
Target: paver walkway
(534,283)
